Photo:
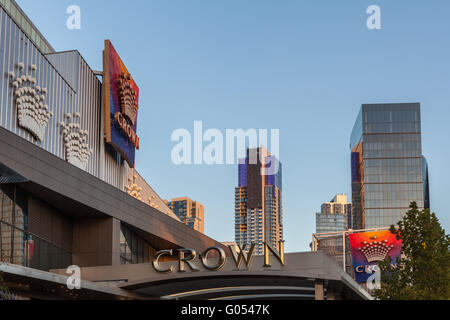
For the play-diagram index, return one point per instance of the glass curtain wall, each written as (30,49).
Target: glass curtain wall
(17,245)
(133,249)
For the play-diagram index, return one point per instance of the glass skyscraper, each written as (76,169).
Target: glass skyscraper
(388,169)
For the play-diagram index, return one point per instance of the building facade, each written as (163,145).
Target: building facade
(51,121)
(191,213)
(335,215)
(69,198)
(258,200)
(388,168)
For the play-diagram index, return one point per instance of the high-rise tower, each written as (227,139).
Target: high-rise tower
(388,169)
(258,200)
(191,213)
(334,215)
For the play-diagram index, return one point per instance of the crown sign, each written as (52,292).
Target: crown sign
(128,95)
(75,139)
(375,251)
(32,112)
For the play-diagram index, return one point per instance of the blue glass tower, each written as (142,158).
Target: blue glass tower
(388,169)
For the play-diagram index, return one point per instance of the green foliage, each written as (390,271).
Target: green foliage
(4,292)
(2,288)
(423,273)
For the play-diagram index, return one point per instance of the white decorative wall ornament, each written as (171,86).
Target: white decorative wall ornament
(75,139)
(152,203)
(133,189)
(32,112)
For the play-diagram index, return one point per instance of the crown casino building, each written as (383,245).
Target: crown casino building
(71,196)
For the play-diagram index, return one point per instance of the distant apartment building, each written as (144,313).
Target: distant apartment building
(335,215)
(388,168)
(258,200)
(191,213)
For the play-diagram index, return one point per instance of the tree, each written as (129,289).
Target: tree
(423,272)
(2,288)
(4,292)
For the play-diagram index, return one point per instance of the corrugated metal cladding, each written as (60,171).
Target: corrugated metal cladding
(15,47)
(72,87)
(86,98)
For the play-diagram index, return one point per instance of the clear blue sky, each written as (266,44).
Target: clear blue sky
(304,67)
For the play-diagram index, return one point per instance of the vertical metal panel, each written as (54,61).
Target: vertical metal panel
(71,87)
(2,60)
(69,70)
(112,166)
(84,98)
(15,47)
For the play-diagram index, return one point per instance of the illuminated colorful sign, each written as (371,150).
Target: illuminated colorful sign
(121,105)
(368,248)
